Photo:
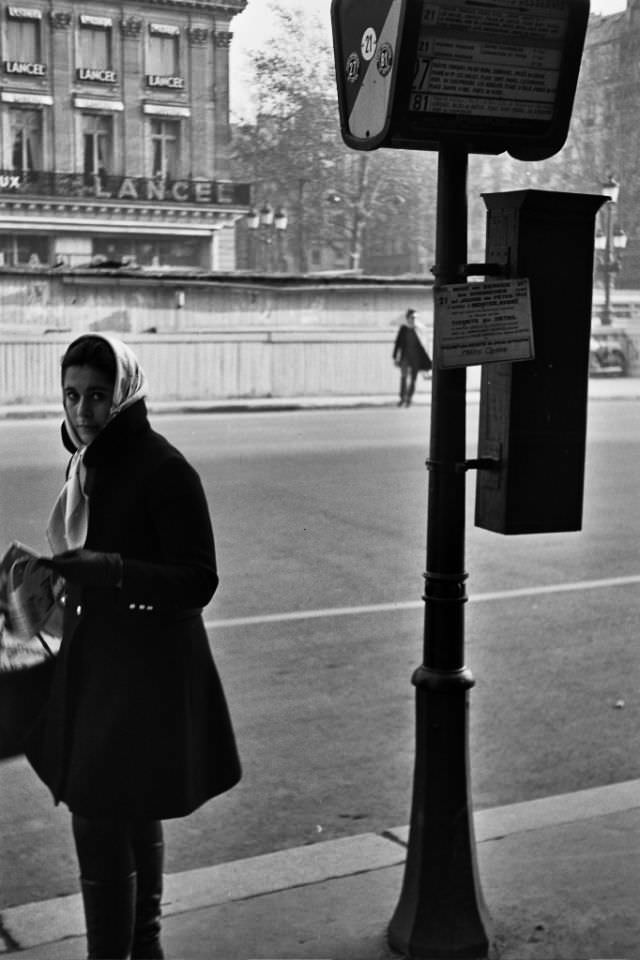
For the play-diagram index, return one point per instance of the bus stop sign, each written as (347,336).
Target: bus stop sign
(487,77)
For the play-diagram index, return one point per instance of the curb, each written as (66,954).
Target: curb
(61,918)
(49,921)
(10,412)
(263,405)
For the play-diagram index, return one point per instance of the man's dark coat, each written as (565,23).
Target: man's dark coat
(408,349)
(137,723)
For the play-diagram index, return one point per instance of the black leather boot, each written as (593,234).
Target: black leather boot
(146,940)
(109,909)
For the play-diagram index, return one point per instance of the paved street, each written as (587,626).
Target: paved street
(319,518)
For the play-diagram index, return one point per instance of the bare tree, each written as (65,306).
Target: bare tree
(363,207)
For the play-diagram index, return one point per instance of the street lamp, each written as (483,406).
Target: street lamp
(353,228)
(608,244)
(266,225)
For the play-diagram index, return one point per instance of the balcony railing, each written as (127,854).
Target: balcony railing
(103,188)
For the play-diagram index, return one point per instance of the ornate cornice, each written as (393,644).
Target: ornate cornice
(198,36)
(162,216)
(226,7)
(131,27)
(223,38)
(60,19)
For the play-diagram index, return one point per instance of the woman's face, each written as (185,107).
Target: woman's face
(87,395)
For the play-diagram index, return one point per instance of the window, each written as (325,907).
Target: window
(26,140)
(165,141)
(23,40)
(163,59)
(154,251)
(97,139)
(28,249)
(95,48)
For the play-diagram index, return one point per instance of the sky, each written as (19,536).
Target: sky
(253,28)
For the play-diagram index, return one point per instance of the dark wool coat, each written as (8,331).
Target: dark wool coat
(408,349)
(137,724)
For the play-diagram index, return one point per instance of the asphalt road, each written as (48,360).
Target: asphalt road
(320,528)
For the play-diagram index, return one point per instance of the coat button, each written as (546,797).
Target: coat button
(78,611)
(132,606)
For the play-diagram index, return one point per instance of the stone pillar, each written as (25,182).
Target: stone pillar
(221,139)
(131,149)
(202,102)
(225,249)
(60,150)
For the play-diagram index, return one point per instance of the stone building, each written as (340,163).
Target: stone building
(603,142)
(606,133)
(114,132)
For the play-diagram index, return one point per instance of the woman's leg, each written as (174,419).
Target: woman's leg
(108,880)
(148,850)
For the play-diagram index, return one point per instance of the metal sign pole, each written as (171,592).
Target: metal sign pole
(441,912)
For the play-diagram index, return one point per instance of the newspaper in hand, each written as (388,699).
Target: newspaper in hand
(29,608)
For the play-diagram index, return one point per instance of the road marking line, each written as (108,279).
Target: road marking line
(415,604)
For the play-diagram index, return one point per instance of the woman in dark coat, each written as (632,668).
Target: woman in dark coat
(136,729)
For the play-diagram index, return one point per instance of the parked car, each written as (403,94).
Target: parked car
(609,352)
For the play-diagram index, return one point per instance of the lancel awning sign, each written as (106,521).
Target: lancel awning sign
(24,13)
(88,20)
(164,29)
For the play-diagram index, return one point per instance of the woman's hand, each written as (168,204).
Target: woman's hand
(87,568)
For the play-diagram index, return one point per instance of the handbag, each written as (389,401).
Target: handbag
(29,624)
(23,696)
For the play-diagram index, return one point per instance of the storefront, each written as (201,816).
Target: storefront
(56,218)
(114,134)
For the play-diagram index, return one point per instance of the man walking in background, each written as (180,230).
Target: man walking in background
(410,354)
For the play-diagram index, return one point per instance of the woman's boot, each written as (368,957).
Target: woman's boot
(109,909)
(146,940)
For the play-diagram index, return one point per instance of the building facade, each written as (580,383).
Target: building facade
(606,124)
(114,133)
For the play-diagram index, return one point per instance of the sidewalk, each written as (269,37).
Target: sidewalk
(600,388)
(560,875)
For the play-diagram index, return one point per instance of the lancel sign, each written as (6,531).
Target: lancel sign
(141,189)
(167,83)
(92,75)
(179,191)
(19,68)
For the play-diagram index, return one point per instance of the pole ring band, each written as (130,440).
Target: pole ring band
(448,577)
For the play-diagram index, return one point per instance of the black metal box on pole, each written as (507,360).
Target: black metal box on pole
(533,414)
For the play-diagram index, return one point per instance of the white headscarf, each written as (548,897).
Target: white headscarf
(69,520)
